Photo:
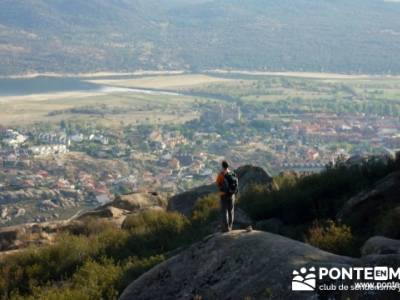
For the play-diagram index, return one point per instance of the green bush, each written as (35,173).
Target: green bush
(286,179)
(206,209)
(75,267)
(133,267)
(332,237)
(37,266)
(259,203)
(204,215)
(96,280)
(90,226)
(318,196)
(156,231)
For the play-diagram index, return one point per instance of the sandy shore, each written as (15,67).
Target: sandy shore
(50,96)
(106,90)
(95,74)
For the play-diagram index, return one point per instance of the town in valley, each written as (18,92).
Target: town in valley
(58,161)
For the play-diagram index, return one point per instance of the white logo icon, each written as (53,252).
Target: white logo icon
(305,280)
(381,273)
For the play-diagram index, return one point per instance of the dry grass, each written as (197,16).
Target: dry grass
(171,82)
(141,108)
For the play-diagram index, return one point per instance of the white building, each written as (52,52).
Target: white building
(14,138)
(46,150)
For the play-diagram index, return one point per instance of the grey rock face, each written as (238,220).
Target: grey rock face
(234,266)
(241,220)
(273,225)
(362,206)
(379,245)
(138,201)
(250,175)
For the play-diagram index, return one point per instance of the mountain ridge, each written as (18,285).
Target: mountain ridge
(105,35)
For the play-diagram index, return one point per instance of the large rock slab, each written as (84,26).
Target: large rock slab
(370,206)
(124,205)
(139,201)
(234,265)
(186,201)
(379,245)
(250,175)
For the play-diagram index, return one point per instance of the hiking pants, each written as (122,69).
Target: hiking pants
(227,211)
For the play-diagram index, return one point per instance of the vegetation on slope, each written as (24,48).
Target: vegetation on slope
(97,260)
(72,36)
(307,205)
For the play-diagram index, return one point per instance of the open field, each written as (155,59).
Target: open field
(271,87)
(152,106)
(170,82)
(124,107)
(309,75)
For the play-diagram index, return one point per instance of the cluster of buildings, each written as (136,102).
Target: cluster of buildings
(34,176)
(314,140)
(34,173)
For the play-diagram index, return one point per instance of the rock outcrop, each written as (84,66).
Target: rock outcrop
(186,201)
(140,201)
(22,236)
(235,265)
(251,175)
(117,210)
(379,245)
(372,205)
(273,225)
(109,212)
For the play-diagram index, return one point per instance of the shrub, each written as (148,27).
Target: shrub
(90,226)
(98,279)
(286,179)
(204,215)
(331,237)
(156,231)
(206,209)
(104,279)
(259,203)
(133,267)
(36,266)
(94,280)
(317,196)
(98,263)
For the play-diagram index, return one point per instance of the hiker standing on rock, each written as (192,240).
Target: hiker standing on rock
(228,184)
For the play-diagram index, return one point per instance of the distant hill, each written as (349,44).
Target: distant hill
(358,36)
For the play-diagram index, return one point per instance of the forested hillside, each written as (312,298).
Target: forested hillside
(302,35)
